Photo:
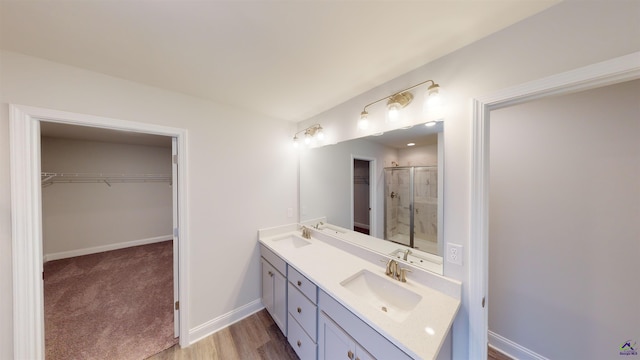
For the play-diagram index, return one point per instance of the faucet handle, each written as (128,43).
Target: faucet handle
(403,274)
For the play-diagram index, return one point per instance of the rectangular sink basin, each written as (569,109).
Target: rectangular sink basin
(291,241)
(384,294)
(331,231)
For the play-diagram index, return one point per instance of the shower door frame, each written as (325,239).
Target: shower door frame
(411,205)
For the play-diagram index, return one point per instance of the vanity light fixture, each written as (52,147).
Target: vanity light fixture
(314,131)
(398,101)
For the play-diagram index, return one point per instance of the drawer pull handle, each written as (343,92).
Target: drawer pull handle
(350,354)
(299,343)
(299,310)
(299,283)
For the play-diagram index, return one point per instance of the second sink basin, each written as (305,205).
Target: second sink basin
(383,294)
(291,241)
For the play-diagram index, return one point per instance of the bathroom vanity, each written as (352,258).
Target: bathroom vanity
(333,299)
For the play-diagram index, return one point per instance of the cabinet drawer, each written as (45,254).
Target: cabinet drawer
(303,310)
(274,260)
(300,282)
(300,341)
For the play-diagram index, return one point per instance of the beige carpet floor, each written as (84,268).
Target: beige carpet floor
(112,305)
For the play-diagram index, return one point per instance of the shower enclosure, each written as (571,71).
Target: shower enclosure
(411,206)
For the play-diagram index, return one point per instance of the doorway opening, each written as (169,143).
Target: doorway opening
(361,196)
(27,218)
(107,230)
(559,179)
(601,74)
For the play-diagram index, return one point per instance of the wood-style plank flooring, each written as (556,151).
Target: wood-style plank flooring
(494,354)
(256,337)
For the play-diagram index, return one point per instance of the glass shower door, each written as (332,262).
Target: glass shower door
(398,192)
(425,190)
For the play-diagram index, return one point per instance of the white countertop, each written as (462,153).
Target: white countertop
(420,335)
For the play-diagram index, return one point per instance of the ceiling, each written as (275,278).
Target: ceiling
(285,59)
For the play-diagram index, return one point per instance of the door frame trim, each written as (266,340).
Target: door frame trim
(373,214)
(613,71)
(26,219)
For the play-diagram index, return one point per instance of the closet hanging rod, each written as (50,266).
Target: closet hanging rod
(49,178)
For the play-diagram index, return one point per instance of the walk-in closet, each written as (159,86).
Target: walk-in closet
(107,216)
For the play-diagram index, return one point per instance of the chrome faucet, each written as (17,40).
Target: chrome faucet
(406,254)
(317,226)
(306,232)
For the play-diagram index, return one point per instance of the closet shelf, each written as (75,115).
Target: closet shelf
(361,180)
(50,178)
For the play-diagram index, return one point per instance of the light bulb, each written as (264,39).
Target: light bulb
(320,134)
(363,123)
(394,111)
(296,143)
(434,101)
(307,139)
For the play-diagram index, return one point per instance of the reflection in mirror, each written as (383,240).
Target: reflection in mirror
(383,187)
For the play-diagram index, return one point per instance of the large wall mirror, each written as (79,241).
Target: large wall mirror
(383,187)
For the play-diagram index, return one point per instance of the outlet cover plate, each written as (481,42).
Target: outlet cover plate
(454,253)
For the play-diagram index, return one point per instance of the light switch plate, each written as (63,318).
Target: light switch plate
(454,253)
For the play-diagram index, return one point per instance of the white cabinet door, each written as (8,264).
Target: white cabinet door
(274,294)
(267,285)
(280,301)
(333,342)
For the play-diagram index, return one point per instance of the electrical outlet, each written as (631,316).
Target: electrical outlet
(454,253)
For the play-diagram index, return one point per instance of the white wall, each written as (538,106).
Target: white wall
(564,37)
(426,155)
(242,175)
(565,223)
(78,216)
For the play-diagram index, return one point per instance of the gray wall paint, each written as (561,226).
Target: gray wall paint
(79,216)
(565,223)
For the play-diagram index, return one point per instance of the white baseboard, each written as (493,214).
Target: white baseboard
(212,326)
(98,249)
(512,349)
